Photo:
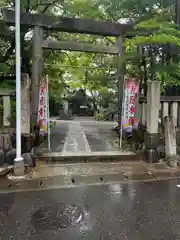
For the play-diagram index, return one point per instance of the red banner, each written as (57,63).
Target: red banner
(131,88)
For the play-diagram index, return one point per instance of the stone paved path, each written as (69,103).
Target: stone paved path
(76,140)
(82,135)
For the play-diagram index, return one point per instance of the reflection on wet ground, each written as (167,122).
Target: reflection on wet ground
(58,216)
(133,211)
(55,176)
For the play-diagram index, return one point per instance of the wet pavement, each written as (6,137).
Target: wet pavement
(89,169)
(82,135)
(133,211)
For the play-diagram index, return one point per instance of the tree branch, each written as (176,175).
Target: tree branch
(47,55)
(49,5)
(28,4)
(68,57)
(12,42)
(109,40)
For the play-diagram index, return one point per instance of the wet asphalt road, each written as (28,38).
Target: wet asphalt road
(129,211)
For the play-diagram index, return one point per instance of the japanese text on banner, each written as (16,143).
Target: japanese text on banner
(130,92)
(42,110)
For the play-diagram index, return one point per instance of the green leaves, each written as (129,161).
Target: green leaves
(96,72)
(155,39)
(157,36)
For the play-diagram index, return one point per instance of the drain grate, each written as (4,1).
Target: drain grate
(59,216)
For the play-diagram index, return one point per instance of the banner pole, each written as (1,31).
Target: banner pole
(48,117)
(122,116)
(18,161)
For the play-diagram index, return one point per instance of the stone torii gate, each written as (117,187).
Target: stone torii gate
(41,22)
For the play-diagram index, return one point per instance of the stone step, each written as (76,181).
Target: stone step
(90,157)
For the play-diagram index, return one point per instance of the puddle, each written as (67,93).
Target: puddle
(57,217)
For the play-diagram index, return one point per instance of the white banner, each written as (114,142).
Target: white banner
(43,109)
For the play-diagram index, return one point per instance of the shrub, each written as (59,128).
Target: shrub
(99,117)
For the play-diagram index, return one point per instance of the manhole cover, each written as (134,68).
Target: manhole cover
(59,216)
